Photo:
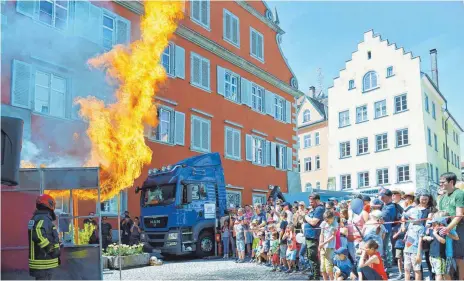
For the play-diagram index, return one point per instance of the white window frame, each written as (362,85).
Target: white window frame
(154,136)
(208,12)
(434,113)
(426,101)
(262,198)
(345,181)
(53,16)
(403,171)
(113,30)
(362,143)
(351,85)
(258,152)
(234,132)
(201,120)
(372,77)
(257,100)
(390,71)
(258,35)
(361,114)
(318,185)
(382,176)
(224,36)
(233,192)
(344,118)
(429,137)
(51,75)
(307,140)
(123,198)
(345,149)
(317,140)
(202,59)
(229,94)
(403,104)
(306,116)
(280,106)
(383,142)
(380,109)
(171,59)
(308,164)
(281,157)
(318,162)
(400,136)
(363,179)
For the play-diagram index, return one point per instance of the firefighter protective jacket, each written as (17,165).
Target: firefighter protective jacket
(44,245)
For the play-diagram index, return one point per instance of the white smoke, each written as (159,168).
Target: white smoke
(31,153)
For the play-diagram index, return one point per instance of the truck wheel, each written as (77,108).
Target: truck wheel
(205,244)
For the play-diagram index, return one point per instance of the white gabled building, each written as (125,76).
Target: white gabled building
(387,122)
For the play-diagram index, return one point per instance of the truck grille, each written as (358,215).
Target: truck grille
(156,222)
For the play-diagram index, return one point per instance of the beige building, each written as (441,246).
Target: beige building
(312,140)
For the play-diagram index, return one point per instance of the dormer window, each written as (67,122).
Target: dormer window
(306,116)
(370,81)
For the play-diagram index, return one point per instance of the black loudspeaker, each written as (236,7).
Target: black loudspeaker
(12,136)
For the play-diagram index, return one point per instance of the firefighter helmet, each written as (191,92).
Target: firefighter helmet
(46,201)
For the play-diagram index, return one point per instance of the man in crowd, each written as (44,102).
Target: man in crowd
(389,214)
(452,202)
(312,233)
(106,233)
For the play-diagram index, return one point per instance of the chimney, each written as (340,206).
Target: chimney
(312,91)
(433,59)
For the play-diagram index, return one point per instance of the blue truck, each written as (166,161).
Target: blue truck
(181,205)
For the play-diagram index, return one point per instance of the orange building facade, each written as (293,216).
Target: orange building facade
(229,88)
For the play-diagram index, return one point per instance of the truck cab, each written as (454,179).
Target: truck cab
(181,205)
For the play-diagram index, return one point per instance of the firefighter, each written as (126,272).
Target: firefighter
(44,245)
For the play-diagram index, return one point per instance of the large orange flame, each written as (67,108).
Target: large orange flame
(116,131)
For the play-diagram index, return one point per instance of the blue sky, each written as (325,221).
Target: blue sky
(324,34)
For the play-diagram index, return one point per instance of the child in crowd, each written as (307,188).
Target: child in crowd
(240,239)
(274,251)
(327,244)
(371,263)
(225,232)
(261,255)
(283,241)
(342,265)
(254,228)
(450,263)
(437,247)
(413,245)
(374,229)
(290,236)
(398,236)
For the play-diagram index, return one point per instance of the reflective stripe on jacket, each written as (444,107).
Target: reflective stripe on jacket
(44,247)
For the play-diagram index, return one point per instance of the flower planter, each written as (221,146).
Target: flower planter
(128,261)
(106,261)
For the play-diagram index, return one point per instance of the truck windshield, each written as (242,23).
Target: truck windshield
(159,195)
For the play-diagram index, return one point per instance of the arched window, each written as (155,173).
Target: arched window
(306,116)
(309,187)
(370,81)
(318,185)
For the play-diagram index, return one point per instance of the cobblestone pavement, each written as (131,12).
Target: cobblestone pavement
(217,269)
